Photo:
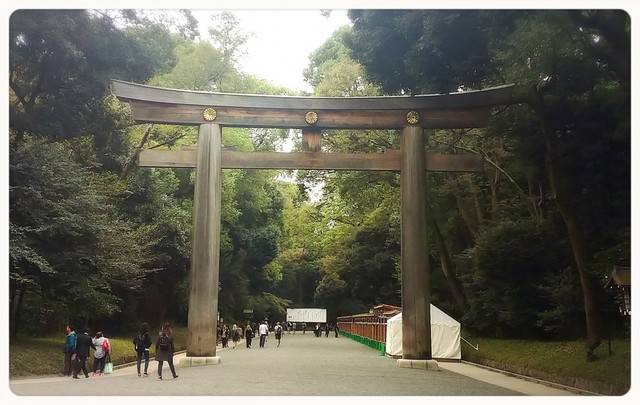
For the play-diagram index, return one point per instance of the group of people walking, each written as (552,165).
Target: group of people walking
(236,333)
(164,349)
(77,348)
(326,328)
(248,332)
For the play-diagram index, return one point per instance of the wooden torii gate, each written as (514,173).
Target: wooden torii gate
(415,116)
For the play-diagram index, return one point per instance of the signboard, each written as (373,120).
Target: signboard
(306,315)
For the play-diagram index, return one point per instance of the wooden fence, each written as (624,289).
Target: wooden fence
(368,329)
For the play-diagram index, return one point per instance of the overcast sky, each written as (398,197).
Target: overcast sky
(280,41)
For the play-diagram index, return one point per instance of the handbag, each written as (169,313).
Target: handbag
(108,366)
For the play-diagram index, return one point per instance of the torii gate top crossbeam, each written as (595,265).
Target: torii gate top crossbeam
(171,106)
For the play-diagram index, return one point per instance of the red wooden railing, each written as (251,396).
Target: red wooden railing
(369,326)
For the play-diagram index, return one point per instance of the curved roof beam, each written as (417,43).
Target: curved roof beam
(173,106)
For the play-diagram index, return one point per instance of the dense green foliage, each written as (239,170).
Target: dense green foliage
(94,240)
(70,253)
(556,195)
(519,250)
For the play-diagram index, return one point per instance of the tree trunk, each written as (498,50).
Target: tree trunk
(131,162)
(464,214)
(476,201)
(540,204)
(493,183)
(576,237)
(535,204)
(16,306)
(447,267)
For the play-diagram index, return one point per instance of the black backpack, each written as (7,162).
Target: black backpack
(139,342)
(164,343)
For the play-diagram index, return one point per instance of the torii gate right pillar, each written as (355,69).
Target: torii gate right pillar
(414,263)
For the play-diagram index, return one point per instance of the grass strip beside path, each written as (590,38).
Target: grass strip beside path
(563,362)
(33,356)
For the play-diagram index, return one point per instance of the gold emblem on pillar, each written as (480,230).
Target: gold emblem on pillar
(209,114)
(413,117)
(311,117)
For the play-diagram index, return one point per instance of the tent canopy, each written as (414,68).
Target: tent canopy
(445,335)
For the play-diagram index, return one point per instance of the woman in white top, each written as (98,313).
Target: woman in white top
(101,344)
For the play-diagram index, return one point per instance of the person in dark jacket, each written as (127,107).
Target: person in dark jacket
(165,350)
(278,333)
(69,351)
(248,335)
(141,344)
(83,346)
(225,336)
(335,329)
(326,329)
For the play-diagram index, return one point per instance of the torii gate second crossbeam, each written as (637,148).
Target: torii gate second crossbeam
(413,115)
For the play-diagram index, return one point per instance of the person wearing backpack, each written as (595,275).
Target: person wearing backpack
(69,351)
(278,333)
(99,356)
(165,350)
(141,345)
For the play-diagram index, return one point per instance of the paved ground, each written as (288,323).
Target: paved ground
(303,365)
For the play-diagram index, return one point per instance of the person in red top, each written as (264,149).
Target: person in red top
(103,348)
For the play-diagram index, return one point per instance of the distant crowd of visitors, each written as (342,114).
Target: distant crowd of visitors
(237,332)
(77,348)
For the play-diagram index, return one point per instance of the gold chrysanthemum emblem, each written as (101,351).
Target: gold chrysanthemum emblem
(209,114)
(413,117)
(311,117)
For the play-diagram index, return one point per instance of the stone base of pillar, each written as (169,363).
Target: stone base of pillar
(421,364)
(198,361)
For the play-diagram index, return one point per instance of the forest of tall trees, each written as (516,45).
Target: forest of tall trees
(522,249)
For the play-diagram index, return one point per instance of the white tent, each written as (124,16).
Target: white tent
(445,335)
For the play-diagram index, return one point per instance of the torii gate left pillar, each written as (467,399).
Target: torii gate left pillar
(205,260)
